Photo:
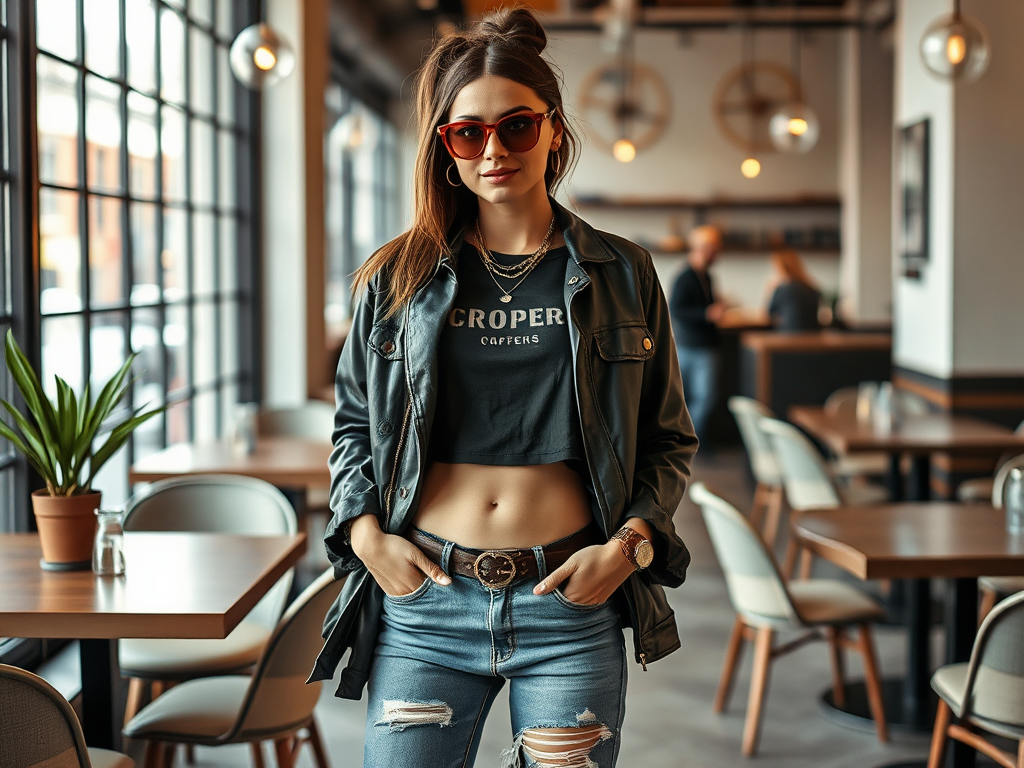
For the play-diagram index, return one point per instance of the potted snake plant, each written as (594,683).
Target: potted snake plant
(59,440)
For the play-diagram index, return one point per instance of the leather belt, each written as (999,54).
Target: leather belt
(497,568)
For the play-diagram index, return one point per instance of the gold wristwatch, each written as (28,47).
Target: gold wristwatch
(637,549)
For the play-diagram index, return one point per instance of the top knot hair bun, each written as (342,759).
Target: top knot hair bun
(517,24)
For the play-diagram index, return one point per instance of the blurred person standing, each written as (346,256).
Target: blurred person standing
(695,315)
(793,307)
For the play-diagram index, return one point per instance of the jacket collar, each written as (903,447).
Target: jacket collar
(582,239)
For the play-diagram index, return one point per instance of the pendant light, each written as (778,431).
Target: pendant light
(795,127)
(751,166)
(260,56)
(956,47)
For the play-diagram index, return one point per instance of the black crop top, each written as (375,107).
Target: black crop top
(506,394)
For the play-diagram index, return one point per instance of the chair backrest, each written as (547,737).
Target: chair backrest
(805,476)
(843,400)
(219,504)
(278,695)
(748,412)
(995,675)
(313,420)
(1002,475)
(756,589)
(37,725)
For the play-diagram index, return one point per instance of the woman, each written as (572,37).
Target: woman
(793,307)
(510,440)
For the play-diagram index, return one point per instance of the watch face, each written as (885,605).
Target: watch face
(644,553)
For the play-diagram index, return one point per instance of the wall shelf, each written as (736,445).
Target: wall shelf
(796,201)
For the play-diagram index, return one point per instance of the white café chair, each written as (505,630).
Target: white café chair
(986,693)
(313,420)
(808,481)
(38,727)
(765,604)
(274,704)
(994,587)
(216,504)
(768,495)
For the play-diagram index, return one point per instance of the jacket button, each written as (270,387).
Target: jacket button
(388,347)
(385,428)
(648,344)
(403,491)
(573,280)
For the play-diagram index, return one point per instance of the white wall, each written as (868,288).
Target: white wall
(865,174)
(988,279)
(692,159)
(284,220)
(963,316)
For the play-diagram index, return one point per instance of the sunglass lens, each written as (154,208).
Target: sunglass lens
(467,141)
(518,134)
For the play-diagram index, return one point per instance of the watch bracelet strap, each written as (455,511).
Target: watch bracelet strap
(629,555)
(627,550)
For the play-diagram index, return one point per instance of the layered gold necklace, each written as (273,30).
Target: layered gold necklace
(521,270)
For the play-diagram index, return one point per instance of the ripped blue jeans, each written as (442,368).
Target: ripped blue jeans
(444,653)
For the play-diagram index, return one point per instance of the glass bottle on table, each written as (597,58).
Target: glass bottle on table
(108,550)
(1013,498)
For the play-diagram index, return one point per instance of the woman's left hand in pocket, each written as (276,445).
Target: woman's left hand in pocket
(590,576)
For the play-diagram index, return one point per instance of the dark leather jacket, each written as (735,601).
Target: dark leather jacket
(637,433)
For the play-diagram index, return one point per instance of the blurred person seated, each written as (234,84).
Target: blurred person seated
(793,307)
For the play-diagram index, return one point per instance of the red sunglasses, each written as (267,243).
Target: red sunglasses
(466,139)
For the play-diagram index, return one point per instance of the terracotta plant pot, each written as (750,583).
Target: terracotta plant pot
(67,528)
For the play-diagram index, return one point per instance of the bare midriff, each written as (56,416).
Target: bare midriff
(495,507)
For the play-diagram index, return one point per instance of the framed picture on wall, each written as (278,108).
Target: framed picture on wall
(914,195)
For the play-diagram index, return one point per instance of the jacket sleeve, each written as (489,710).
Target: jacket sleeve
(354,489)
(666,442)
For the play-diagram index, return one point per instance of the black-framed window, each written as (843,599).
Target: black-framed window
(13,481)
(146,147)
(362,201)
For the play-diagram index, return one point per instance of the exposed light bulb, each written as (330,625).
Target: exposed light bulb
(260,56)
(264,58)
(956,49)
(794,128)
(624,150)
(750,168)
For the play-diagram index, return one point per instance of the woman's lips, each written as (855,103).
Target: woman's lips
(500,176)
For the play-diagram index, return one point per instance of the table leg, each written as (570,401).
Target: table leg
(917,687)
(102,708)
(894,479)
(961,628)
(920,478)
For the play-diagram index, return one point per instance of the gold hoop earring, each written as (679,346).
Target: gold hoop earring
(448,175)
(556,163)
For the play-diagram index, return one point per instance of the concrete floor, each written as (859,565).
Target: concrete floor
(669,720)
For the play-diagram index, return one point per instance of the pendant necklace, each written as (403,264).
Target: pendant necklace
(522,269)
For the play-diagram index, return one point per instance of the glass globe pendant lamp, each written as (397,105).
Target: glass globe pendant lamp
(624,150)
(794,128)
(750,168)
(956,47)
(260,56)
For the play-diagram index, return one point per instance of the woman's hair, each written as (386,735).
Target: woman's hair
(506,43)
(791,265)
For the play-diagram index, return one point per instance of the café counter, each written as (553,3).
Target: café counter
(785,369)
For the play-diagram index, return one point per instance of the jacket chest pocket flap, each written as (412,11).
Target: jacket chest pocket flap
(624,342)
(386,340)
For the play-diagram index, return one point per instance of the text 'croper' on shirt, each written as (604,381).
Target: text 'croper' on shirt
(506,394)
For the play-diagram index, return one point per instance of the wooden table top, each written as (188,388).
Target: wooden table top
(282,461)
(916,434)
(814,341)
(913,541)
(175,585)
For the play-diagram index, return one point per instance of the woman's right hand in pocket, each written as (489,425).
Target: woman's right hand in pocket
(397,565)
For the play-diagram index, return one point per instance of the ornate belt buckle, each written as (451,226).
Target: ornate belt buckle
(495,570)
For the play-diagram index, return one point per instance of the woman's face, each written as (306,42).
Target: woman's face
(498,175)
